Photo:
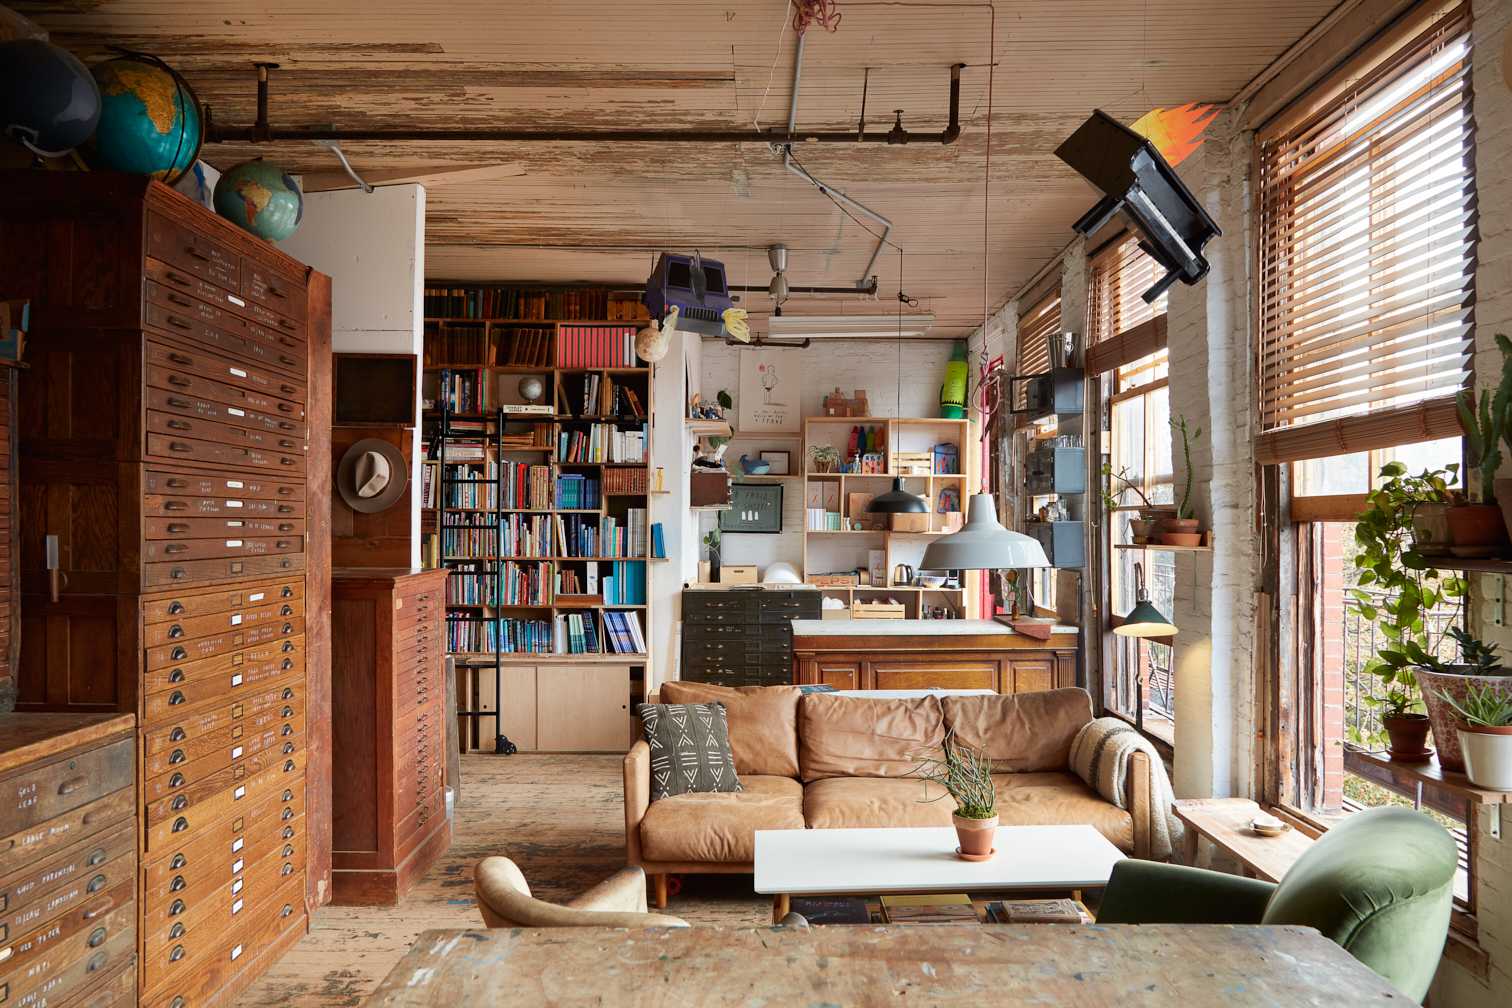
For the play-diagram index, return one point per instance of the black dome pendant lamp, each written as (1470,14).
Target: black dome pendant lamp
(897,501)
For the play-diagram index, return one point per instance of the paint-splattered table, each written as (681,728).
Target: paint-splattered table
(1165,965)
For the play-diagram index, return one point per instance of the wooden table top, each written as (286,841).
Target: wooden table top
(1168,965)
(1223,821)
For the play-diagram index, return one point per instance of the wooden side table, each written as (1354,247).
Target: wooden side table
(1222,821)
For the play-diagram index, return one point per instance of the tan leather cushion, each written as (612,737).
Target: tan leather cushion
(720,827)
(763,723)
(873,803)
(863,737)
(1023,732)
(1060,799)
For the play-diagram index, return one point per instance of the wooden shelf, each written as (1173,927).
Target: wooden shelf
(1432,773)
(1489,565)
(1178,549)
(758,436)
(546,322)
(708,428)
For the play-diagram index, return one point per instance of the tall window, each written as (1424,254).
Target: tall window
(1366,266)
(1035,326)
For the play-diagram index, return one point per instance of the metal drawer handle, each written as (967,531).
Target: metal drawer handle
(287,868)
(286,407)
(177,931)
(101,907)
(196,253)
(175,299)
(288,645)
(177,675)
(177,908)
(286,324)
(288,748)
(288,850)
(175,608)
(176,630)
(175,506)
(283,359)
(176,699)
(285,461)
(177,323)
(174,379)
(177,883)
(180,358)
(288,444)
(177,527)
(179,802)
(176,954)
(288,712)
(73,784)
(176,548)
(287,342)
(97,960)
(286,610)
(170,275)
(286,593)
(178,446)
(177,735)
(180,403)
(178,654)
(287,388)
(96,884)
(286,910)
(288,693)
(284,425)
(180,425)
(178,1002)
(178,861)
(286,563)
(177,756)
(288,663)
(284,509)
(288,832)
(96,938)
(288,765)
(177,780)
(288,813)
(180,824)
(96,856)
(288,729)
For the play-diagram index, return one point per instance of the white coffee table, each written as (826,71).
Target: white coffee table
(809,862)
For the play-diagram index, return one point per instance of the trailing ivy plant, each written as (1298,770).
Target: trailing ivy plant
(1411,587)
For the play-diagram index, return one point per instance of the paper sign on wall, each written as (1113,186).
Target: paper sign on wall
(771,388)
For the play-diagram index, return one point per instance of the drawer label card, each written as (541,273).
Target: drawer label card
(236,680)
(235,524)
(236,907)
(233,542)
(236,952)
(233,503)
(255,598)
(234,484)
(236,845)
(236,866)
(239,793)
(236,300)
(236,753)
(236,620)
(236,887)
(235,412)
(240,374)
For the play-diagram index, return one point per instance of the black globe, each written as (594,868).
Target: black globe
(48,100)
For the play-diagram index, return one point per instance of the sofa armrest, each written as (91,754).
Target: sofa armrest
(637,797)
(1138,788)
(623,892)
(1149,892)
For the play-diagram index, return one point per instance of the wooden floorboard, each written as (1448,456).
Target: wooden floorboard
(559,817)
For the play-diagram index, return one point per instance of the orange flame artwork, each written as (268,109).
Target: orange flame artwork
(1176,132)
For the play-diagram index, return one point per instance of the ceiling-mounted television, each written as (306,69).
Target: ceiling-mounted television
(1138,186)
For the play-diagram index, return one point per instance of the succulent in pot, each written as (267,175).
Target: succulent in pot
(1479,530)
(1483,720)
(966,775)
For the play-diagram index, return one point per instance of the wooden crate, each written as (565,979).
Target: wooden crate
(877,610)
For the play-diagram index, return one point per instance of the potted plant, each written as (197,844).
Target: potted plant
(1182,530)
(1140,528)
(1406,729)
(1484,726)
(711,541)
(966,775)
(1479,530)
(1480,669)
(825,457)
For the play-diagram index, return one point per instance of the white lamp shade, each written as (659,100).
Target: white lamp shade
(983,543)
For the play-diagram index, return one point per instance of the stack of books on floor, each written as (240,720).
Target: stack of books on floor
(1038,911)
(932,908)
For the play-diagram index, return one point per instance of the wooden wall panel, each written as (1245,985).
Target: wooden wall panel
(318,597)
(381,539)
(10,549)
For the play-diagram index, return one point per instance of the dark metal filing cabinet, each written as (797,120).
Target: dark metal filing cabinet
(741,637)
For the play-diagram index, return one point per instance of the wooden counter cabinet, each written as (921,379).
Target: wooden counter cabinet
(924,654)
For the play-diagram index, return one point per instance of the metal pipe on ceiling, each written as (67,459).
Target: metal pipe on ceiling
(263,132)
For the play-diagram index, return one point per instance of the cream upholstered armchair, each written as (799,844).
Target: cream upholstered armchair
(619,901)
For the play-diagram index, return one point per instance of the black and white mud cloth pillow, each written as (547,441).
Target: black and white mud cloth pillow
(690,748)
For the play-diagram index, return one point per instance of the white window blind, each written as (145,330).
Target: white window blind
(1121,273)
(1367,245)
(1034,325)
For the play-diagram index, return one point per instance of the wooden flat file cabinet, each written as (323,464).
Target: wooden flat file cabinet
(389,733)
(741,637)
(164,446)
(68,860)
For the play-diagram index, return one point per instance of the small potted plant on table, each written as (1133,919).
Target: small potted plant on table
(825,457)
(1406,728)
(966,775)
(1182,530)
(1484,725)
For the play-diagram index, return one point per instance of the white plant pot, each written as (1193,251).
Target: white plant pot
(1488,758)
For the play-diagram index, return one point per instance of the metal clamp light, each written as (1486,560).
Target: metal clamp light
(1144,620)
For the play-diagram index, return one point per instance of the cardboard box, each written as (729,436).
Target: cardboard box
(909,522)
(737,574)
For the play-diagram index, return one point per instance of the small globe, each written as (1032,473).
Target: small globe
(149,120)
(48,101)
(260,197)
(531,389)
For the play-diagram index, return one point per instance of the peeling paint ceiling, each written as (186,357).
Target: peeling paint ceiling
(599,212)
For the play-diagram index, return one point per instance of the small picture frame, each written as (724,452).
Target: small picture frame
(781,461)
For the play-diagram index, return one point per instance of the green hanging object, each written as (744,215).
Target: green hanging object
(953,392)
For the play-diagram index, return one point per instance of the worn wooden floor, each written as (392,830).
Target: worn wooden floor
(559,817)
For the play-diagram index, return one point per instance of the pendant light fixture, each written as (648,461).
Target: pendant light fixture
(897,500)
(983,543)
(1144,620)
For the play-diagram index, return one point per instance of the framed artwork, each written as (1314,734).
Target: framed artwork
(754,507)
(781,462)
(771,387)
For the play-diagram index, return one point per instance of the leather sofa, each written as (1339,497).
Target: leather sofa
(822,761)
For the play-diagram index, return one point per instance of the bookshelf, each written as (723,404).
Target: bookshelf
(541,508)
(902,440)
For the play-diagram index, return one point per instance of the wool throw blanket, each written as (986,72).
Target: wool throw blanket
(1100,756)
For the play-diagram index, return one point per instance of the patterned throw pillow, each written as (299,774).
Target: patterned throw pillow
(690,748)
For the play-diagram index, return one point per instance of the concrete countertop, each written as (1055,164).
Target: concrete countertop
(908,628)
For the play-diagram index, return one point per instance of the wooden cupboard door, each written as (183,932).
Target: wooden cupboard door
(945,673)
(517,714)
(362,701)
(78,653)
(1028,675)
(583,708)
(842,674)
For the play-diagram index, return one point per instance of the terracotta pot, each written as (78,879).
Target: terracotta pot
(1442,717)
(1488,756)
(1181,538)
(1159,516)
(1141,529)
(1409,737)
(1477,527)
(1183,526)
(1430,528)
(975,836)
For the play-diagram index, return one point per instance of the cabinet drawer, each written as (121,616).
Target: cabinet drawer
(716,649)
(206,768)
(172,738)
(707,602)
(224,675)
(56,884)
(69,934)
(196,407)
(284,301)
(157,550)
(259,406)
(167,356)
(56,978)
(225,642)
(194,980)
(204,601)
(177,245)
(803,605)
(181,628)
(713,631)
(260,525)
(58,833)
(117,990)
(237,780)
(185,824)
(166,575)
(171,506)
(924,675)
(38,793)
(235,434)
(737,617)
(207,910)
(185,449)
(209,326)
(209,857)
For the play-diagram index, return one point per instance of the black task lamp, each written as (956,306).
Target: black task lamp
(1144,620)
(897,501)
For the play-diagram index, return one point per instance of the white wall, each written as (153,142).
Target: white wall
(672,450)
(372,246)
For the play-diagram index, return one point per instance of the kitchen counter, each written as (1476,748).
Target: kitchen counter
(917,627)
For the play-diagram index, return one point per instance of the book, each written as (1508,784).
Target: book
(931,908)
(834,910)
(1040,911)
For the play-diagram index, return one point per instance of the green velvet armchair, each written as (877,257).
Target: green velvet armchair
(1380,884)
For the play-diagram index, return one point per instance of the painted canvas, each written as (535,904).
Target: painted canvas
(771,389)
